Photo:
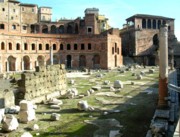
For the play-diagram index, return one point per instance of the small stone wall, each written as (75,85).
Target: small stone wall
(46,82)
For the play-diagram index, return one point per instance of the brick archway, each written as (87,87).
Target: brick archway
(82,61)
(26,61)
(11,66)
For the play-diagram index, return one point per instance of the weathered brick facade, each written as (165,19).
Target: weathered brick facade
(140,37)
(27,35)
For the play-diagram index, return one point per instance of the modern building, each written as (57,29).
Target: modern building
(27,34)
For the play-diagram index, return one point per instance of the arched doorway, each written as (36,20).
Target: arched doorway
(96,61)
(45,29)
(156,41)
(11,63)
(40,60)
(69,59)
(26,61)
(82,61)
(55,59)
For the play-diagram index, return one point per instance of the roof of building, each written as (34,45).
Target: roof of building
(15,1)
(28,5)
(148,16)
(46,7)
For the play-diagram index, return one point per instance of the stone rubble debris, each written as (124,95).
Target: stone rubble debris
(118,84)
(72,93)
(9,123)
(27,112)
(82,105)
(55,117)
(26,134)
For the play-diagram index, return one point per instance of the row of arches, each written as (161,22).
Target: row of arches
(26,62)
(152,23)
(54,29)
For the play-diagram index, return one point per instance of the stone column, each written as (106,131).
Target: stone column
(37,63)
(163,66)
(51,55)
(7,66)
(22,65)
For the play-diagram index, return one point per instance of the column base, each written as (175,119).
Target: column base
(163,93)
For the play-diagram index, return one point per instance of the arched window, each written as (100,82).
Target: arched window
(40,46)
(154,24)
(2,46)
(61,47)
(25,46)
(54,47)
(149,24)
(10,46)
(115,47)
(13,27)
(143,23)
(17,46)
(45,29)
(33,46)
(159,24)
(47,46)
(61,29)
(112,50)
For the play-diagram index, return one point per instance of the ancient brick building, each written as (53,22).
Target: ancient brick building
(140,37)
(27,34)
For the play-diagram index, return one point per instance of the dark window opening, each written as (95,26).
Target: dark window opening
(54,46)
(154,24)
(149,24)
(75,46)
(89,30)
(10,46)
(112,50)
(47,46)
(40,46)
(25,46)
(143,23)
(33,46)
(61,47)
(89,46)
(82,47)
(17,46)
(68,47)
(1,26)
(3,9)
(115,47)
(2,46)
(24,27)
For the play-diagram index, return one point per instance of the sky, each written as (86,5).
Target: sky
(117,11)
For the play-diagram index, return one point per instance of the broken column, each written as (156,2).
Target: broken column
(163,66)
(27,112)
